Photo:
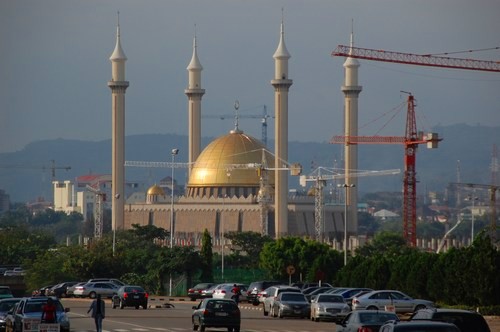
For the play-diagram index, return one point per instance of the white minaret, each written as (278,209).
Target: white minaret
(194,92)
(281,85)
(351,91)
(118,86)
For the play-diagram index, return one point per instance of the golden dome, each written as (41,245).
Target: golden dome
(156,190)
(229,161)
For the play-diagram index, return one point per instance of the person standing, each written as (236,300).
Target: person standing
(237,292)
(49,312)
(98,312)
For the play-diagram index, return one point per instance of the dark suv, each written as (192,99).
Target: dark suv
(256,287)
(465,320)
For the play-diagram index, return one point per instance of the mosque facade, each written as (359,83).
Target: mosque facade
(235,184)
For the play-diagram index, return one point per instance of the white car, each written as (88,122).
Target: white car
(328,307)
(225,291)
(380,299)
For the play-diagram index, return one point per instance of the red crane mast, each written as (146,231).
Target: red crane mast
(412,138)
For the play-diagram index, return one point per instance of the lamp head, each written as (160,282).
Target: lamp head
(175,152)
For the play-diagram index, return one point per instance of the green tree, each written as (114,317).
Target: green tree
(206,257)
(249,244)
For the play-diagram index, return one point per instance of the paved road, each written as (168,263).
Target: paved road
(178,319)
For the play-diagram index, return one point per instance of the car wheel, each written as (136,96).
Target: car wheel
(92,295)
(122,305)
(372,307)
(419,307)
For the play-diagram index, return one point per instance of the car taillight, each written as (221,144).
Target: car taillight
(223,291)
(206,312)
(199,292)
(364,329)
(125,295)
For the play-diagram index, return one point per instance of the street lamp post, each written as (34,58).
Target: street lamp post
(174,153)
(345,186)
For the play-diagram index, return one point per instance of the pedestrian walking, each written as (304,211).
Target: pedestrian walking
(98,312)
(49,312)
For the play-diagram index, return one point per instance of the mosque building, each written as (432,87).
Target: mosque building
(235,184)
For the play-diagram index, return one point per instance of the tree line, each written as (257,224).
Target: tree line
(466,276)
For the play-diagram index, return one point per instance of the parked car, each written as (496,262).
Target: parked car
(5,292)
(256,287)
(272,293)
(196,292)
(380,299)
(130,296)
(291,304)
(117,282)
(91,289)
(42,291)
(31,308)
(60,290)
(328,307)
(365,320)
(225,291)
(216,313)
(465,320)
(71,289)
(6,304)
(418,326)
(207,293)
(316,291)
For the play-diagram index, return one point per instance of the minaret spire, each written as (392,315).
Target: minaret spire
(194,92)
(281,84)
(118,85)
(351,90)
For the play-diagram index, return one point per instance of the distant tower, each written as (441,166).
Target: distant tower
(118,86)
(194,92)
(281,85)
(351,91)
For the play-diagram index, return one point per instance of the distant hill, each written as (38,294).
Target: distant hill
(472,145)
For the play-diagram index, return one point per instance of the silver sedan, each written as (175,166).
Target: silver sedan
(328,307)
(390,300)
(92,289)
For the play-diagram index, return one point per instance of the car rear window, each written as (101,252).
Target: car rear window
(134,290)
(464,321)
(331,298)
(294,290)
(376,317)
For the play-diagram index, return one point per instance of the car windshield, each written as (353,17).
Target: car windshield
(5,291)
(6,306)
(331,298)
(293,297)
(376,317)
(36,306)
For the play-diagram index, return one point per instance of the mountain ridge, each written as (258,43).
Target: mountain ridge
(465,153)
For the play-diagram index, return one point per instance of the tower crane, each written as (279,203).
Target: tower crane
(263,119)
(100,197)
(319,177)
(263,197)
(493,208)
(411,140)
(52,167)
(409,201)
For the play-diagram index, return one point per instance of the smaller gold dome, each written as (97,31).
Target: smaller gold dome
(156,190)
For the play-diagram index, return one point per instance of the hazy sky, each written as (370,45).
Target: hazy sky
(54,64)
